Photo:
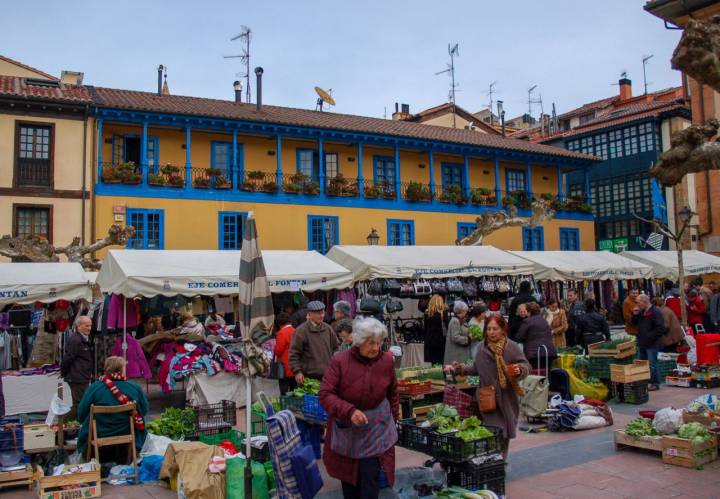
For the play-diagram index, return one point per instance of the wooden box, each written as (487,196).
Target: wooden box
(622,439)
(85,484)
(629,373)
(683,452)
(685,382)
(621,351)
(17,477)
(703,419)
(38,437)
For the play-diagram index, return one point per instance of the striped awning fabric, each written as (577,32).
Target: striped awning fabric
(256,308)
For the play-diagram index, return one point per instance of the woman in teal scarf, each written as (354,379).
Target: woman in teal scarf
(113,389)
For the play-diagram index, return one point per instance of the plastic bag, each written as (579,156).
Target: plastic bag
(704,403)
(590,422)
(150,468)
(235,480)
(577,385)
(116,475)
(155,445)
(668,420)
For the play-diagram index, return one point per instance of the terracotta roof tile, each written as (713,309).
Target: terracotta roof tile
(29,68)
(18,87)
(147,101)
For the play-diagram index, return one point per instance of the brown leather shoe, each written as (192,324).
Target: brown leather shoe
(653,387)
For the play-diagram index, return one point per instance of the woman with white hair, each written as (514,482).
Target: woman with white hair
(359,393)
(457,343)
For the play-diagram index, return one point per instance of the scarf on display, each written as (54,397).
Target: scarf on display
(121,397)
(498,348)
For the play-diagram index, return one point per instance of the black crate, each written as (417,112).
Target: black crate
(292,403)
(262,454)
(631,393)
(448,447)
(413,437)
(215,418)
(483,476)
(707,383)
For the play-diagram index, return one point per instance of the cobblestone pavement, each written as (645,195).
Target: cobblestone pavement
(553,465)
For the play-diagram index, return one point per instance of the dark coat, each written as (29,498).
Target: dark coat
(506,413)
(589,325)
(353,382)
(435,333)
(651,327)
(77,363)
(533,333)
(519,299)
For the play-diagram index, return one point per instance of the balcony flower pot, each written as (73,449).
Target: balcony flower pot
(169,169)
(222,182)
(201,183)
(132,179)
(247,186)
(299,178)
(176,181)
(452,194)
(547,196)
(417,192)
(110,177)
(156,179)
(311,189)
(255,175)
(270,187)
(213,172)
(371,192)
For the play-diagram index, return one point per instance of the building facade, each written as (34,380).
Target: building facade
(628,133)
(46,155)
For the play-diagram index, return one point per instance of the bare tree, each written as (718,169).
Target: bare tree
(487,223)
(35,249)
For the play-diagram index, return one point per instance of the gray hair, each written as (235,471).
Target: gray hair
(343,307)
(459,306)
(643,298)
(368,327)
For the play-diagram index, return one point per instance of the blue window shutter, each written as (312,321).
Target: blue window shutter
(464,229)
(323,233)
(149,228)
(569,239)
(231,225)
(400,232)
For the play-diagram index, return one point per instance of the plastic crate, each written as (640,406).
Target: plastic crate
(413,437)
(215,418)
(448,447)
(292,403)
(631,393)
(599,367)
(11,435)
(483,476)
(261,454)
(411,389)
(258,423)
(312,410)
(235,437)
(666,367)
(707,383)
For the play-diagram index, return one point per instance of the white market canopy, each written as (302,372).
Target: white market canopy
(583,265)
(428,262)
(23,283)
(665,263)
(213,272)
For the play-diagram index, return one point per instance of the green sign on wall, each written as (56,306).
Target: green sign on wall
(615,245)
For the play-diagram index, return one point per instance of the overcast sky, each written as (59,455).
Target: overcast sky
(372,53)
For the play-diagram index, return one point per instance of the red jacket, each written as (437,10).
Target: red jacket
(353,382)
(282,347)
(674,304)
(696,310)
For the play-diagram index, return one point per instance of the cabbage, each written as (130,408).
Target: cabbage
(695,432)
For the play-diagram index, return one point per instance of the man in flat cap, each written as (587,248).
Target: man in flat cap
(312,345)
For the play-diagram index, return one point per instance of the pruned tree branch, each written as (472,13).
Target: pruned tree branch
(692,150)
(487,223)
(698,52)
(659,226)
(34,249)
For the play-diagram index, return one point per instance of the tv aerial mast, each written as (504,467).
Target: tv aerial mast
(645,60)
(490,92)
(453,51)
(244,36)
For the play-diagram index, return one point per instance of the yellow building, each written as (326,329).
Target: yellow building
(185,170)
(46,154)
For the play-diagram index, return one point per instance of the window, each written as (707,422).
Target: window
(573,145)
(452,174)
(32,221)
(601,146)
(630,141)
(615,143)
(464,229)
(515,180)
(331,165)
(646,135)
(533,239)
(126,148)
(383,169)
(220,155)
(603,199)
(33,153)
(569,239)
(634,196)
(586,145)
(306,163)
(230,229)
(619,207)
(401,232)
(575,190)
(322,233)
(149,228)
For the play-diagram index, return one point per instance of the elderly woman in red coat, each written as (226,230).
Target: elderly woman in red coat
(359,393)
(499,362)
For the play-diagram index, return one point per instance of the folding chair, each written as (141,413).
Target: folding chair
(95,442)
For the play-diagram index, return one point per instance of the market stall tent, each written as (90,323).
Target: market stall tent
(665,263)
(213,272)
(583,265)
(24,283)
(427,262)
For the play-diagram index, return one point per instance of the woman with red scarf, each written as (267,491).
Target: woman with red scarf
(113,389)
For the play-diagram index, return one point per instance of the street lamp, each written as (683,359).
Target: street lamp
(685,215)
(373,238)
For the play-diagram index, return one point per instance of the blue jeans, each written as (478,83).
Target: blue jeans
(651,354)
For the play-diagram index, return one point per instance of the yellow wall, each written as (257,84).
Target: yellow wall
(9,69)
(193,224)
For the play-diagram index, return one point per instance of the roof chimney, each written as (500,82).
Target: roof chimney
(258,86)
(625,89)
(402,112)
(237,85)
(71,78)
(160,79)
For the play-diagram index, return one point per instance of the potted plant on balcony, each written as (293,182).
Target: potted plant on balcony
(292,188)
(157,179)
(547,196)
(110,175)
(311,188)
(255,175)
(201,183)
(176,181)
(222,182)
(213,172)
(418,192)
(131,177)
(585,208)
(247,186)
(386,189)
(168,169)
(371,191)
(337,185)
(270,186)
(517,198)
(482,196)
(453,194)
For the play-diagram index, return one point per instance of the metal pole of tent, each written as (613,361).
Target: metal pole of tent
(124,328)
(248,418)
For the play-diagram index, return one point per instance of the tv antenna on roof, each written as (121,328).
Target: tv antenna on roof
(490,92)
(645,60)
(453,51)
(243,36)
(532,101)
(323,96)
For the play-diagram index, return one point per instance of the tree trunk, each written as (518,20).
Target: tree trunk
(681,284)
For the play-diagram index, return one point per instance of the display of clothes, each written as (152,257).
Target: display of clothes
(11,352)
(114,312)
(137,364)
(223,305)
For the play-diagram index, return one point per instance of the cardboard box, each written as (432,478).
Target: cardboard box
(686,453)
(84,484)
(38,436)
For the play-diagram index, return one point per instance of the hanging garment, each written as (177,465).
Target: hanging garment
(137,364)
(115,319)
(223,305)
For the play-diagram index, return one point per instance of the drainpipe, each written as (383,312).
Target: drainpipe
(97,142)
(84,174)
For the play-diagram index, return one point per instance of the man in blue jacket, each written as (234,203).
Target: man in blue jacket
(651,328)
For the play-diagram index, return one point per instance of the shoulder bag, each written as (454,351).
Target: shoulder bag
(486,399)
(455,286)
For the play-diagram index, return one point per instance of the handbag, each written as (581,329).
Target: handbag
(422,288)
(486,398)
(455,286)
(277,369)
(391,287)
(375,288)
(438,287)
(407,289)
(305,469)
(368,440)
(470,288)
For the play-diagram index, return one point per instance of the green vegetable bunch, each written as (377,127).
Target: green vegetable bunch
(310,387)
(476,332)
(695,432)
(640,427)
(258,406)
(173,423)
(609,345)
(472,429)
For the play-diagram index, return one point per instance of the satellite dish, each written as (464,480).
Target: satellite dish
(324,96)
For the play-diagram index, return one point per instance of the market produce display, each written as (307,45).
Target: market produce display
(472,429)
(610,345)
(445,419)
(640,427)
(173,423)
(310,387)
(460,493)
(260,408)
(695,432)
(574,350)
(476,332)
